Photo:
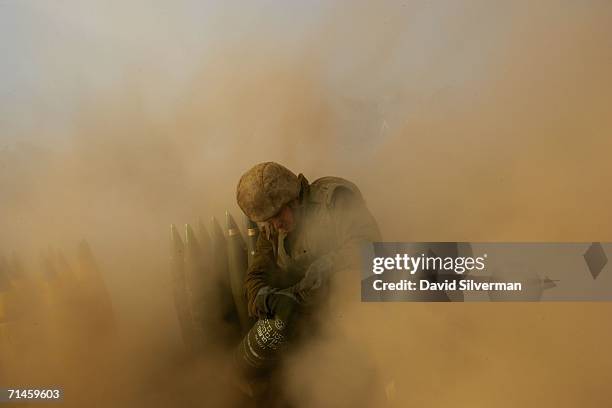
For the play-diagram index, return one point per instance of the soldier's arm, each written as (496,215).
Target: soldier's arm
(257,276)
(353,226)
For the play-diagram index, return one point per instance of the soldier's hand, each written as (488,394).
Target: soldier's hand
(273,302)
(316,276)
(284,305)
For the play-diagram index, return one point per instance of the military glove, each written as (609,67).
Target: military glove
(316,276)
(273,302)
(270,302)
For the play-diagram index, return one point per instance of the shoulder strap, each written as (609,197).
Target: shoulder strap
(322,190)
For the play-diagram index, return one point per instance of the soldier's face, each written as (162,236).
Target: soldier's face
(284,220)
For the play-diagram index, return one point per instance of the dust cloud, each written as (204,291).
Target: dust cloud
(474,120)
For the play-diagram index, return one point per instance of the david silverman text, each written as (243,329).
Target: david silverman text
(467,284)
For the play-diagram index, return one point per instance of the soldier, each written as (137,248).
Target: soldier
(310,234)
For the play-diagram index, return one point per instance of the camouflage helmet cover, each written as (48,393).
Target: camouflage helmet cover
(265,189)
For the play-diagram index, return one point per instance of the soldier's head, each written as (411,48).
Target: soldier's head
(268,193)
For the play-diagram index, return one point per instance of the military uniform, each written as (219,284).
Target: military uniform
(291,274)
(334,223)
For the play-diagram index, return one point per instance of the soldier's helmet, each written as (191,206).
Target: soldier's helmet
(265,189)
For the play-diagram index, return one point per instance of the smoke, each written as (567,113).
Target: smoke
(474,120)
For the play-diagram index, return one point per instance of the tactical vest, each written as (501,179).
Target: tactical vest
(317,235)
(322,190)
